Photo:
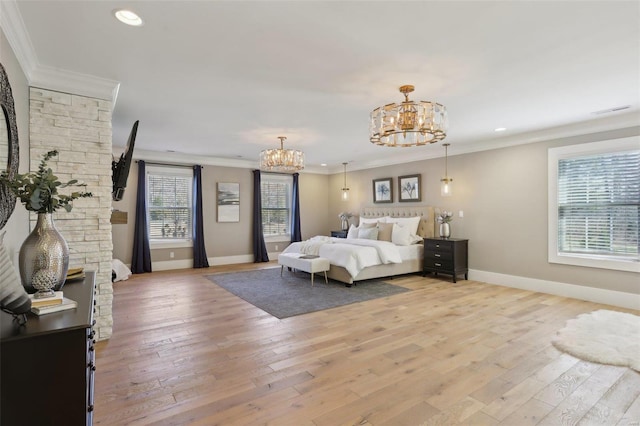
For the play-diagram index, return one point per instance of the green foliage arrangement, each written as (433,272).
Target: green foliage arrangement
(39,191)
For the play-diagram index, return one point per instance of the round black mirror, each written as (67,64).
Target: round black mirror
(8,146)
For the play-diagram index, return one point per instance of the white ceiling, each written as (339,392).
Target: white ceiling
(223,79)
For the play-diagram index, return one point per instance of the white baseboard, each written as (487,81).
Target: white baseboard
(168,265)
(230,260)
(591,294)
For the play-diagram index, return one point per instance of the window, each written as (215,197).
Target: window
(169,203)
(276,192)
(594,204)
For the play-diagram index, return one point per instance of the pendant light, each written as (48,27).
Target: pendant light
(445,185)
(345,189)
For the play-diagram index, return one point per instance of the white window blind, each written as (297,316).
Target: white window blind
(276,193)
(599,204)
(169,203)
(594,204)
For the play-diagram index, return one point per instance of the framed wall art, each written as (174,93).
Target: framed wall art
(383,190)
(409,188)
(228,202)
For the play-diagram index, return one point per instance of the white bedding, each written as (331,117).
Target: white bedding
(352,254)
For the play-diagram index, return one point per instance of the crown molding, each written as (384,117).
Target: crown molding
(45,76)
(428,152)
(180,159)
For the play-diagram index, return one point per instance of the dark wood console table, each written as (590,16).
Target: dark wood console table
(47,365)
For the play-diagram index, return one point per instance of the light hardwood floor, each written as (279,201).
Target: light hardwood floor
(185,351)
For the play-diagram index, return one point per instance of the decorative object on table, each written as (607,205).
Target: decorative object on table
(281,160)
(56,299)
(64,306)
(410,123)
(383,190)
(228,202)
(444,218)
(44,251)
(344,220)
(445,182)
(409,188)
(9,147)
(345,188)
(75,274)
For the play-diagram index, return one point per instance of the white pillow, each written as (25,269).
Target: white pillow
(400,235)
(372,220)
(409,222)
(368,233)
(353,232)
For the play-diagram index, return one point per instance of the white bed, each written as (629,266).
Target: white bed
(366,267)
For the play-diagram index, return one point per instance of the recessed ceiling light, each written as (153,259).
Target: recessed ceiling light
(500,129)
(324,164)
(128,17)
(610,110)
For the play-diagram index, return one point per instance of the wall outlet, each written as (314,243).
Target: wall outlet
(460,213)
(172,254)
(276,247)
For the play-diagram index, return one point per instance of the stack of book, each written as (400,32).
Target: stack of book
(55,303)
(75,273)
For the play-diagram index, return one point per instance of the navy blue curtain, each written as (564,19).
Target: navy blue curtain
(199,252)
(141,260)
(296,235)
(259,247)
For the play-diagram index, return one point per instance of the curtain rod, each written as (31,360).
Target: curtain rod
(153,163)
(277,173)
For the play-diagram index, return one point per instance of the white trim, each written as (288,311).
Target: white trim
(554,155)
(591,294)
(75,83)
(167,244)
(169,265)
(230,260)
(47,77)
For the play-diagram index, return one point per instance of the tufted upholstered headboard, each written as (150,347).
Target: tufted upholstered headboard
(427,226)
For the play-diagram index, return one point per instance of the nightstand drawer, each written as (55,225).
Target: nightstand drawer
(438,255)
(438,264)
(431,245)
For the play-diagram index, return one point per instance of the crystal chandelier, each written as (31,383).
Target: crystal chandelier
(281,160)
(408,123)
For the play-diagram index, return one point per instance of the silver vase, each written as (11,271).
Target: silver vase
(44,257)
(445,230)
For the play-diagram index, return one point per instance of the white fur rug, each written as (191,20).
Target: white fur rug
(605,337)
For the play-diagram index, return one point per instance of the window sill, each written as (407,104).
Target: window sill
(166,244)
(596,262)
(277,239)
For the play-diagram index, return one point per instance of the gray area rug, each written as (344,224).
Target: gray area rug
(292,293)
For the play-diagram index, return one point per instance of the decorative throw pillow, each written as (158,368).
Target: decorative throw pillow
(353,232)
(368,233)
(408,222)
(373,220)
(400,235)
(13,297)
(384,231)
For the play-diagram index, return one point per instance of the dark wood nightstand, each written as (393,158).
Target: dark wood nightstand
(339,234)
(446,255)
